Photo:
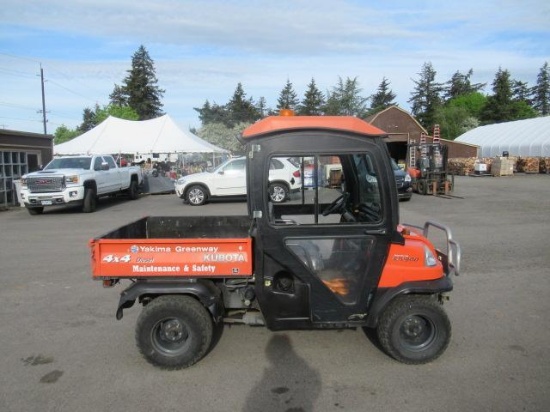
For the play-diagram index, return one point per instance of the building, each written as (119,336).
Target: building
(403,128)
(20,153)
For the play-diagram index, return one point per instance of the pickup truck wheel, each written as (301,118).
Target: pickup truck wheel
(414,329)
(196,195)
(174,332)
(35,210)
(278,192)
(90,201)
(133,190)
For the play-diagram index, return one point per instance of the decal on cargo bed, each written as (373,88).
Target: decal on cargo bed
(193,258)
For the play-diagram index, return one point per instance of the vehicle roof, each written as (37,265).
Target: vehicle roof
(273,124)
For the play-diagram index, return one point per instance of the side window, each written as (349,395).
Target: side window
(97,163)
(236,166)
(110,162)
(338,188)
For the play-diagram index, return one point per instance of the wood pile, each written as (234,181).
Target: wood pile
(461,166)
(528,165)
(544,165)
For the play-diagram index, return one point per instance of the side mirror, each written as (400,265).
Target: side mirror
(104,166)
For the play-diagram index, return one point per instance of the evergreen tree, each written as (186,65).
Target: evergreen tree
(88,120)
(521,92)
(541,92)
(214,113)
(346,100)
(383,98)
(426,97)
(288,99)
(501,105)
(241,109)
(313,102)
(460,85)
(262,108)
(140,90)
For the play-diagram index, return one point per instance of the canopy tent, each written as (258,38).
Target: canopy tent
(114,135)
(530,137)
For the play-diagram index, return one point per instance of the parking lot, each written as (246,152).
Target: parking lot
(61,348)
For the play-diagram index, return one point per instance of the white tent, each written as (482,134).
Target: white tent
(530,137)
(114,135)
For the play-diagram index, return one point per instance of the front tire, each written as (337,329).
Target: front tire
(90,201)
(196,195)
(35,210)
(174,332)
(414,329)
(278,192)
(133,190)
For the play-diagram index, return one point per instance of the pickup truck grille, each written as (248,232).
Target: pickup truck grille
(44,184)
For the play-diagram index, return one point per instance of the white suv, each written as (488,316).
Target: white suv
(229,180)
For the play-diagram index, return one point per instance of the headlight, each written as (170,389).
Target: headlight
(407,177)
(181,180)
(23,182)
(71,179)
(429,258)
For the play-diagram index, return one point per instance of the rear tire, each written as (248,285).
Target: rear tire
(414,329)
(35,210)
(174,332)
(90,201)
(196,195)
(278,192)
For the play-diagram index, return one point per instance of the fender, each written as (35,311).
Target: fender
(205,291)
(385,296)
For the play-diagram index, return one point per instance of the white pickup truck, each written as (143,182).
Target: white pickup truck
(78,180)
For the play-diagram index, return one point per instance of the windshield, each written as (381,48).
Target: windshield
(70,163)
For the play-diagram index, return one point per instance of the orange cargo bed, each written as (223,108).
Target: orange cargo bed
(172,247)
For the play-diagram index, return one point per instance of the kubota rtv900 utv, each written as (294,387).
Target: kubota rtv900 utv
(333,256)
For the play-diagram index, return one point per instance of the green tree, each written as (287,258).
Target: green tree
(121,112)
(426,97)
(213,113)
(541,92)
(64,134)
(383,98)
(288,99)
(313,101)
(460,84)
(460,114)
(223,136)
(88,119)
(241,109)
(345,99)
(501,105)
(140,90)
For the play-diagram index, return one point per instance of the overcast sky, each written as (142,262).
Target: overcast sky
(202,49)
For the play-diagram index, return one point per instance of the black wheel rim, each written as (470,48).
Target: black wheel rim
(170,337)
(417,332)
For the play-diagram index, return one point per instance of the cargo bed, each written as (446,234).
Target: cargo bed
(174,246)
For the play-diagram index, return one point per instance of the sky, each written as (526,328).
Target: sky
(202,49)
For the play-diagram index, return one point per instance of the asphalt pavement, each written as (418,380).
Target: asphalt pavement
(61,348)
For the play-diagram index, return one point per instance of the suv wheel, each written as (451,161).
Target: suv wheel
(278,192)
(196,195)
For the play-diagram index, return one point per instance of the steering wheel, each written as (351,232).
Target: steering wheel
(337,204)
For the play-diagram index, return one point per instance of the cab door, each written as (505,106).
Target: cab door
(321,253)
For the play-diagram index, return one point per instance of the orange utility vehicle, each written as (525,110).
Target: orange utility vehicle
(332,257)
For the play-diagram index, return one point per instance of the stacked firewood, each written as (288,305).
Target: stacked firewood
(461,166)
(528,164)
(544,165)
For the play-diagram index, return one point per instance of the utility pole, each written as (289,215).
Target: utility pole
(43,99)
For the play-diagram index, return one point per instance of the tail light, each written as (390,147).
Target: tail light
(296,173)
